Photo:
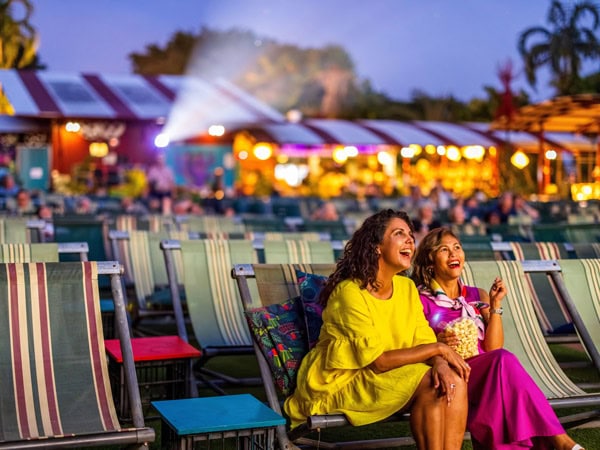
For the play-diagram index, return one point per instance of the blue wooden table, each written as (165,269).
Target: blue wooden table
(240,418)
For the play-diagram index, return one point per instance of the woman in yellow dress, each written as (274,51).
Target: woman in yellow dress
(376,354)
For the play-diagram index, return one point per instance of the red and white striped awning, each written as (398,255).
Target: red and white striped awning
(369,134)
(53,95)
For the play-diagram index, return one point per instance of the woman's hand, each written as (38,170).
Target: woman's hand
(497,293)
(449,338)
(454,360)
(444,378)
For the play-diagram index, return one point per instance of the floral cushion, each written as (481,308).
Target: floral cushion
(310,289)
(278,332)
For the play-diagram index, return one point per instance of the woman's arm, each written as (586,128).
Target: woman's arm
(494,330)
(431,354)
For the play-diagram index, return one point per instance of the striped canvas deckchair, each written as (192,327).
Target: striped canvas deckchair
(29,252)
(19,230)
(552,314)
(581,278)
(55,383)
(590,250)
(42,252)
(523,336)
(144,265)
(213,303)
(209,224)
(263,285)
(298,251)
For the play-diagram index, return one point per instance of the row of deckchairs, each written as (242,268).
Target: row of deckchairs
(577,281)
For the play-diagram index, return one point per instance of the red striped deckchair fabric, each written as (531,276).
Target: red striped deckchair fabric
(53,368)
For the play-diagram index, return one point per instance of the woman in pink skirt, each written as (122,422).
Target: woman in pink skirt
(506,408)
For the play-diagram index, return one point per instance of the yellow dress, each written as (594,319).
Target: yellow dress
(334,377)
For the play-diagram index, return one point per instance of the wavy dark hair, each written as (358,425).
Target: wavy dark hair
(360,260)
(422,273)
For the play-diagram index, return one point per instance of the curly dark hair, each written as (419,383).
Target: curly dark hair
(422,273)
(360,260)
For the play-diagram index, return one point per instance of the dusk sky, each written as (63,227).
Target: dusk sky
(442,47)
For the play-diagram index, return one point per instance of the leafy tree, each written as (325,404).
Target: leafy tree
(564,46)
(316,81)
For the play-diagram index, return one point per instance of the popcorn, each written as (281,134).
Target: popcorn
(467,333)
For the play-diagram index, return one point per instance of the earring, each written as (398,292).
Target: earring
(430,271)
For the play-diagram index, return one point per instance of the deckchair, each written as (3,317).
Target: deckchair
(579,287)
(209,224)
(213,303)
(524,337)
(139,252)
(553,316)
(42,252)
(55,384)
(264,285)
(20,229)
(298,251)
(589,250)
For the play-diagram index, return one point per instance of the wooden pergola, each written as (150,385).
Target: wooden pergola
(578,114)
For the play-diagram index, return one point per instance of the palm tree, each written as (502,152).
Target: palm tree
(564,46)
(18,39)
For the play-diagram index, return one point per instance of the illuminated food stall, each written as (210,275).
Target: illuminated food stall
(332,158)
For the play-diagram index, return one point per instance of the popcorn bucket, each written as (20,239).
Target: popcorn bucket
(467,332)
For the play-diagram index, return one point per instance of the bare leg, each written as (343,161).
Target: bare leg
(562,442)
(436,424)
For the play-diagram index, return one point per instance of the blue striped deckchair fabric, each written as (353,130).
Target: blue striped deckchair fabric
(523,335)
(552,313)
(53,369)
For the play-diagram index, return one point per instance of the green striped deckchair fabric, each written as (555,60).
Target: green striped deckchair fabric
(212,297)
(590,250)
(14,230)
(551,312)
(297,235)
(145,262)
(298,251)
(126,222)
(582,281)
(53,369)
(210,224)
(46,252)
(523,336)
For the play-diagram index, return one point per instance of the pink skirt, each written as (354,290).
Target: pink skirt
(506,408)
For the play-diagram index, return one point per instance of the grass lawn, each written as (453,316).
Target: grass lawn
(245,366)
